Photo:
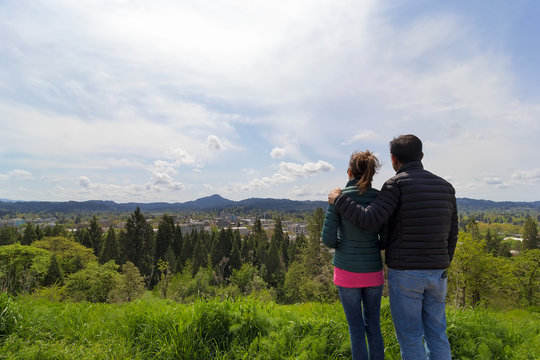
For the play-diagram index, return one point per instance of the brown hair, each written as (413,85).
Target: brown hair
(364,165)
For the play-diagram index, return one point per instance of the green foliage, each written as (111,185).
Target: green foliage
(139,244)
(71,256)
(8,235)
(129,285)
(248,280)
(530,234)
(95,234)
(111,249)
(29,235)
(22,267)
(93,283)
(478,277)
(525,269)
(53,275)
(310,276)
(9,316)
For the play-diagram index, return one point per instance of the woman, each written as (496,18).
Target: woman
(358,267)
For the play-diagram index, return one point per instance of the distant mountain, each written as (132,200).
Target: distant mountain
(217,202)
(213,202)
(466,204)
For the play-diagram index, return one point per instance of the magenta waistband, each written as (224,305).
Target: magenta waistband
(350,279)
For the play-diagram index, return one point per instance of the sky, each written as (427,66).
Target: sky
(172,100)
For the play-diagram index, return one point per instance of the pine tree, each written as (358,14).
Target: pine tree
(85,239)
(188,245)
(95,233)
(139,244)
(492,243)
(39,233)
(29,235)
(199,259)
(235,261)
(274,265)
(530,234)
(53,276)
(164,236)
(178,241)
(110,248)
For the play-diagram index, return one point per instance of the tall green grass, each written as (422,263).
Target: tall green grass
(244,328)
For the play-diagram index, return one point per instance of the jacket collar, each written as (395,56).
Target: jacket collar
(410,166)
(352,182)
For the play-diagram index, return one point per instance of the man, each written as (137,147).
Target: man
(421,212)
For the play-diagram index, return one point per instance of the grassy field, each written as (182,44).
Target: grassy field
(242,328)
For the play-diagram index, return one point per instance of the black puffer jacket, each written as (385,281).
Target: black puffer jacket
(422,215)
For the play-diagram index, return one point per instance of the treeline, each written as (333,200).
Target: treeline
(121,264)
(84,265)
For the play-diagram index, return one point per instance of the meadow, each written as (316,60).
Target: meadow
(239,328)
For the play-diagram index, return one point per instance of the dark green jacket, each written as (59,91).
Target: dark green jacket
(357,250)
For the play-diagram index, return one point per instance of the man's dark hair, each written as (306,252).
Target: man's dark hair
(406,148)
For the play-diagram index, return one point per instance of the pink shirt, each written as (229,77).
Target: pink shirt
(350,279)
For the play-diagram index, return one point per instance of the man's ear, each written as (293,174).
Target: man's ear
(421,156)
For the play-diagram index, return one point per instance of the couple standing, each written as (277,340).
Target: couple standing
(414,218)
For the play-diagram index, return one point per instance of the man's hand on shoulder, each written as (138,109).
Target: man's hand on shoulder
(333,195)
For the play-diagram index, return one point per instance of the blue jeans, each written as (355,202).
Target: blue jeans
(362,308)
(418,310)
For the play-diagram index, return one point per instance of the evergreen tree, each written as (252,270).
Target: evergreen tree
(222,246)
(95,233)
(530,234)
(39,233)
(53,276)
(247,251)
(139,244)
(199,258)
(235,261)
(188,245)
(472,228)
(8,235)
(284,250)
(164,236)
(86,240)
(295,247)
(274,265)
(111,250)
(278,233)
(492,243)
(178,241)
(29,235)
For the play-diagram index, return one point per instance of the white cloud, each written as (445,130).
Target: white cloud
(278,153)
(527,176)
(84,182)
(294,170)
(287,172)
(21,174)
(214,143)
(365,135)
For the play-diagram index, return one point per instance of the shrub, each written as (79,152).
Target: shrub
(92,283)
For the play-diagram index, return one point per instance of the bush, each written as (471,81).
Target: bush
(93,283)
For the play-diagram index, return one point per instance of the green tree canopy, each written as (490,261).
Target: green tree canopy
(71,255)
(22,267)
